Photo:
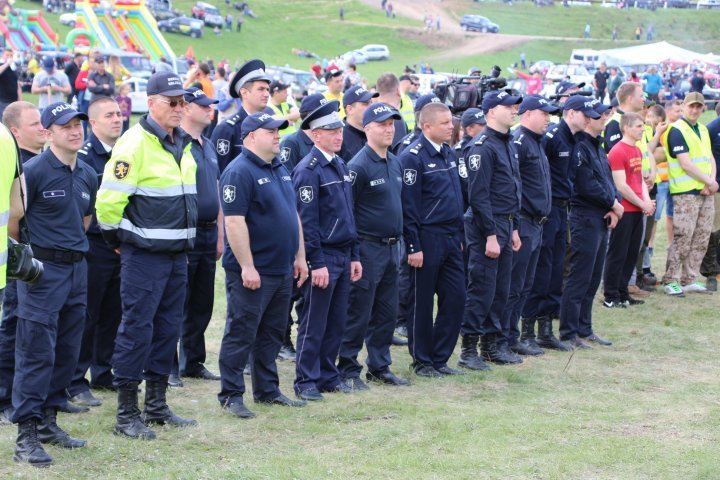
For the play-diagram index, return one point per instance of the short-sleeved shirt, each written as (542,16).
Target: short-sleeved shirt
(58,199)
(263,193)
(8,85)
(629,159)
(208,175)
(43,79)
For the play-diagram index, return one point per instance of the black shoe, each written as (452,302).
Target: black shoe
(129,422)
(614,304)
(513,359)
(239,409)
(86,398)
(401,331)
(577,344)
(6,416)
(711,284)
(527,336)
(356,384)
(445,370)
(27,446)
(287,352)
(545,337)
(387,377)
(68,407)
(49,432)
(203,374)
(522,348)
(284,401)
(103,386)
(311,395)
(424,371)
(469,357)
(498,355)
(174,380)
(630,302)
(600,341)
(156,407)
(339,388)
(399,342)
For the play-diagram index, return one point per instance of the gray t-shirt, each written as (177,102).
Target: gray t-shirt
(43,79)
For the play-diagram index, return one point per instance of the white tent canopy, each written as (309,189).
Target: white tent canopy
(649,54)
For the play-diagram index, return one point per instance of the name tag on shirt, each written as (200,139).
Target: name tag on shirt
(54,193)
(564,154)
(286,178)
(85,195)
(379,181)
(263,181)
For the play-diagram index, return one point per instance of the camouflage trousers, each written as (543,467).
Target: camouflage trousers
(710,265)
(693,222)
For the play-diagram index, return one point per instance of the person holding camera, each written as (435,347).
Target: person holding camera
(52,304)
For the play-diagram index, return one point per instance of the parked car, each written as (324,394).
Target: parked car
(138,94)
(161,14)
(138,65)
(208,14)
(68,19)
(376,52)
(678,3)
(182,25)
(302,82)
(577,74)
(478,23)
(353,57)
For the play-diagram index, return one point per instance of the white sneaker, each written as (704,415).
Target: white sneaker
(694,287)
(673,288)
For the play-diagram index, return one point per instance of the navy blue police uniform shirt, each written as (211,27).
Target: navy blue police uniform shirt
(431,194)
(294,148)
(594,189)
(461,148)
(559,143)
(94,154)
(262,193)
(207,177)
(58,199)
(353,141)
(714,131)
(324,201)
(493,180)
(399,146)
(534,172)
(227,137)
(377,190)
(26,155)
(612,134)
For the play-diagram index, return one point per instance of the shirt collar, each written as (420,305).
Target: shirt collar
(436,146)
(257,160)
(530,133)
(495,133)
(328,156)
(160,132)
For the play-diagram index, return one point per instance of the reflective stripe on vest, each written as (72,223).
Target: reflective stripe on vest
(284,132)
(700,153)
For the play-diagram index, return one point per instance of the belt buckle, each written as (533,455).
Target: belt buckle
(392,241)
(542,221)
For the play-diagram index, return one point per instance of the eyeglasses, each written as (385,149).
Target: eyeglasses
(174,102)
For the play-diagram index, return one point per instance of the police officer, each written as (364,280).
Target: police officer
(296,146)
(208,243)
(491,231)
(535,208)
(324,202)
(264,251)
(413,135)
(252,85)
(51,312)
(281,108)
(543,303)
(372,309)
(147,209)
(472,122)
(356,100)
(594,208)
(23,121)
(104,310)
(432,227)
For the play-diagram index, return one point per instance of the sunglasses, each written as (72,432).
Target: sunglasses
(174,102)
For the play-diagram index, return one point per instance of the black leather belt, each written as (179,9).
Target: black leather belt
(560,203)
(538,220)
(509,216)
(386,241)
(59,256)
(207,225)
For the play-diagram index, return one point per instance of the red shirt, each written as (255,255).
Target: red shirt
(628,158)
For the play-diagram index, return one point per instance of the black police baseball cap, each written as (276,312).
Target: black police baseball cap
(425,99)
(499,97)
(325,117)
(581,104)
(311,102)
(379,112)
(472,116)
(260,120)
(196,95)
(600,107)
(537,102)
(165,83)
(251,71)
(277,86)
(358,93)
(59,113)
(565,86)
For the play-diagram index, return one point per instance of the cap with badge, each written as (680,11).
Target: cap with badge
(196,95)
(251,71)
(472,116)
(496,98)
(59,113)
(311,102)
(277,86)
(260,120)
(358,93)
(165,83)
(536,102)
(581,104)
(600,107)
(325,117)
(693,98)
(563,87)
(425,99)
(379,112)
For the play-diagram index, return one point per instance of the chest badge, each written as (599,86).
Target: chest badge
(306,194)
(409,176)
(121,170)
(223,147)
(229,193)
(474,162)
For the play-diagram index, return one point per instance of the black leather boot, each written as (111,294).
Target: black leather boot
(129,422)
(469,357)
(490,351)
(546,339)
(27,446)
(156,407)
(527,336)
(49,432)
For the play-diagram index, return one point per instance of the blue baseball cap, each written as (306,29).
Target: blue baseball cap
(537,102)
(48,64)
(358,93)
(565,86)
(424,100)
(196,95)
(379,112)
(312,102)
(251,71)
(600,107)
(325,117)
(472,116)
(499,97)
(260,120)
(165,83)
(582,104)
(59,113)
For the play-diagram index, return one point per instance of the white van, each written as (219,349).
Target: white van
(586,57)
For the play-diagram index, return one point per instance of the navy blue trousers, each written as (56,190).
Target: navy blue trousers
(322,324)
(488,279)
(103,317)
(406,289)
(432,342)
(51,317)
(8,329)
(547,288)
(588,244)
(152,290)
(372,311)
(256,321)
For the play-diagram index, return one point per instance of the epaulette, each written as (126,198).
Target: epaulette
(85,148)
(313,163)
(408,140)
(519,139)
(416,149)
(459,145)
(233,120)
(481,139)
